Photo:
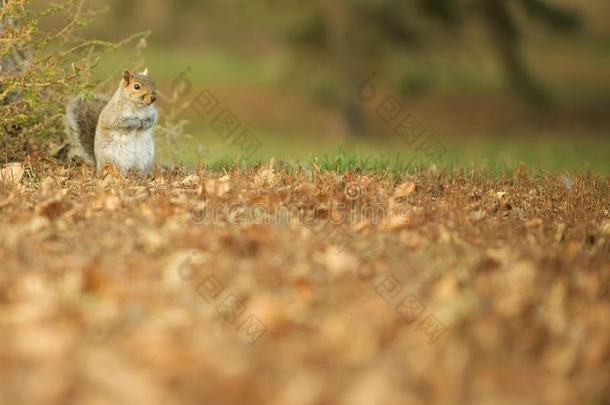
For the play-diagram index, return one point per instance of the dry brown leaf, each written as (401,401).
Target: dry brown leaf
(339,263)
(53,209)
(150,240)
(47,185)
(517,283)
(265,177)
(403,219)
(36,225)
(477,215)
(496,285)
(191,180)
(397,222)
(8,200)
(270,310)
(217,188)
(11,173)
(503,200)
(111,171)
(404,189)
(604,227)
(108,201)
(534,223)
(361,226)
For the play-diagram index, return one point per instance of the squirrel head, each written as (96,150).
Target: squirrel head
(139,88)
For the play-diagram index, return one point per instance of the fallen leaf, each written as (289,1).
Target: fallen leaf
(151,240)
(503,200)
(109,202)
(191,180)
(110,171)
(477,215)
(404,189)
(11,173)
(217,188)
(8,200)
(404,220)
(534,223)
(605,227)
(52,209)
(265,177)
(339,263)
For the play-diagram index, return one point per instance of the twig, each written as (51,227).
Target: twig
(105,44)
(72,22)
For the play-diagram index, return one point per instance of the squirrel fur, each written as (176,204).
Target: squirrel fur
(116,130)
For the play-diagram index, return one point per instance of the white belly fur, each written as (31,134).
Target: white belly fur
(134,151)
(128,151)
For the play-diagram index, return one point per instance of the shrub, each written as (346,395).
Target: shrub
(40,68)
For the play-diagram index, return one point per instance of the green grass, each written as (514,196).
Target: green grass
(564,153)
(235,74)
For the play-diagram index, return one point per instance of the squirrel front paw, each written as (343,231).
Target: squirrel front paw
(147,123)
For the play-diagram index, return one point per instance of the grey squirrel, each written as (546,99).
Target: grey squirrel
(116,130)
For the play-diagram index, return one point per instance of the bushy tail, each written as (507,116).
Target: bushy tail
(82,115)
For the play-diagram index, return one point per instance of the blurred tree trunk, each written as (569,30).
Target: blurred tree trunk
(505,38)
(339,20)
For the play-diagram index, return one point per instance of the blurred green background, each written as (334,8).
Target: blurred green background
(496,82)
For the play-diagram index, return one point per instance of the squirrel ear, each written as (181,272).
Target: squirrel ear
(126,77)
(145,72)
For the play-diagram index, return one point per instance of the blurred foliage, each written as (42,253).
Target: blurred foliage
(290,69)
(357,34)
(345,40)
(41,67)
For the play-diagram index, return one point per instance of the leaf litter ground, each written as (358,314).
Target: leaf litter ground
(304,287)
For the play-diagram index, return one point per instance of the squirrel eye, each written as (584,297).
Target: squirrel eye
(136,86)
